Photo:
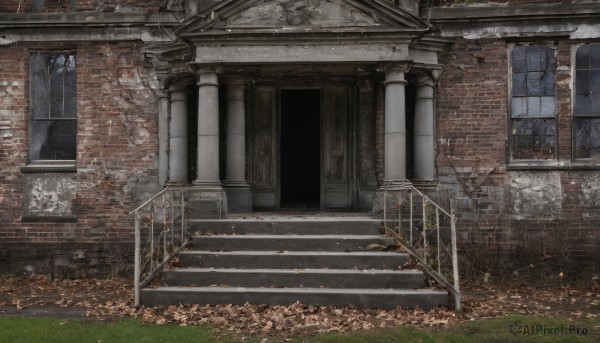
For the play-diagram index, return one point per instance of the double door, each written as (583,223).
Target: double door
(302,147)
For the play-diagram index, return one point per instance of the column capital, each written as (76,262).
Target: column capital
(427,77)
(403,67)
(395,72)
(207,77)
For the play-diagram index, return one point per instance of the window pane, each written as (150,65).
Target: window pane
(582,81)
(519,60)
(594,82)
(534,107)
(533,139)
(53,140)
(519,107)
(534,59)
(595,56)
(519,86)
(587,139)
(548,106)
(534,83)
(582,57)
(39,87)
(583,104)
(70,89)
(595,104)
(548,83)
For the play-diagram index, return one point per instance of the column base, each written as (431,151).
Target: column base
(382,201)
(426,185)
(207,201)
(239,196)
(177,183)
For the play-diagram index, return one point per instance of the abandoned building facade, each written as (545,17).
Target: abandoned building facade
(266,105)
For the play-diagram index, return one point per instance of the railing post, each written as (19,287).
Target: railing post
(437,226)
(137,259)
(455,263)
(411,219)
(425,229)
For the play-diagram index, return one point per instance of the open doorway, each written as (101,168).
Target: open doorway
(300,148)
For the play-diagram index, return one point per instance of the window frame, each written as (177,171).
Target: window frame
(33,164)
(574,115)
(511,161)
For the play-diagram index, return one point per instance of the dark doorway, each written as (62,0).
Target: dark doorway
(300,148)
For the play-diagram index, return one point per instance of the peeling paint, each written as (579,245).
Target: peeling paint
(50,195)
(536,194)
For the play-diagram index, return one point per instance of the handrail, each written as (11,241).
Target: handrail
(150,200)
(165,213)
(419,247)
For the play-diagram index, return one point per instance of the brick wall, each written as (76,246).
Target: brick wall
(116,144)
(20,6)
(511,220)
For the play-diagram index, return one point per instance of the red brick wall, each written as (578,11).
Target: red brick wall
(472,150)
(116,144)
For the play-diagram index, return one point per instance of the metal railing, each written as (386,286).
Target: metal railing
(164,220)
(426,231)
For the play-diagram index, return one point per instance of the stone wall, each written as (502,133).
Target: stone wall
(536,220)
(86,209)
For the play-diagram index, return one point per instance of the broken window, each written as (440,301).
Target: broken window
(533,104)
(53,114)
(586,112)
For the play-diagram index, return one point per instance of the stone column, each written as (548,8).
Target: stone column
(239,197)
(207,199)
(178,154)
(424,153)
(208,129)
(163,137)
(395,123)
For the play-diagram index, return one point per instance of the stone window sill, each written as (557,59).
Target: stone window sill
(49,168)
(552,166)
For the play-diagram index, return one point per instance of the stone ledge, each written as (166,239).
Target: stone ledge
(48,168)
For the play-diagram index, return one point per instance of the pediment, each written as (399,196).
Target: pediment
(300,15)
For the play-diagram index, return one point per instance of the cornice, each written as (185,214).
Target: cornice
(87,19)
(513,12)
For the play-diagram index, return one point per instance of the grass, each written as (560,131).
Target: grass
(51,330)
(30,330)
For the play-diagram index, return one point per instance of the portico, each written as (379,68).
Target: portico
(246,76)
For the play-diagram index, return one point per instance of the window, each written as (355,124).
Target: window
(53,114)
(533,105)
(586,113)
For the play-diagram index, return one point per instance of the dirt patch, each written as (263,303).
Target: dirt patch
(105,299)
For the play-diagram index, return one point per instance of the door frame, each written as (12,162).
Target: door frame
(350,141)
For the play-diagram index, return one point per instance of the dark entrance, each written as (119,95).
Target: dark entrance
(300,148)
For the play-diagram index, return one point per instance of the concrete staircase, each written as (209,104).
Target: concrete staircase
(280,260)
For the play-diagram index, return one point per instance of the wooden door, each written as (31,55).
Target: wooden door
(264,147)
(336,175)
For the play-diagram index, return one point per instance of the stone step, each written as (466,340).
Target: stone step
(292,225)
(292,259)
(288,242)
(331,278)
(360,297)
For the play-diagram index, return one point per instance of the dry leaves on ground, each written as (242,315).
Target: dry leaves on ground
(110,298)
